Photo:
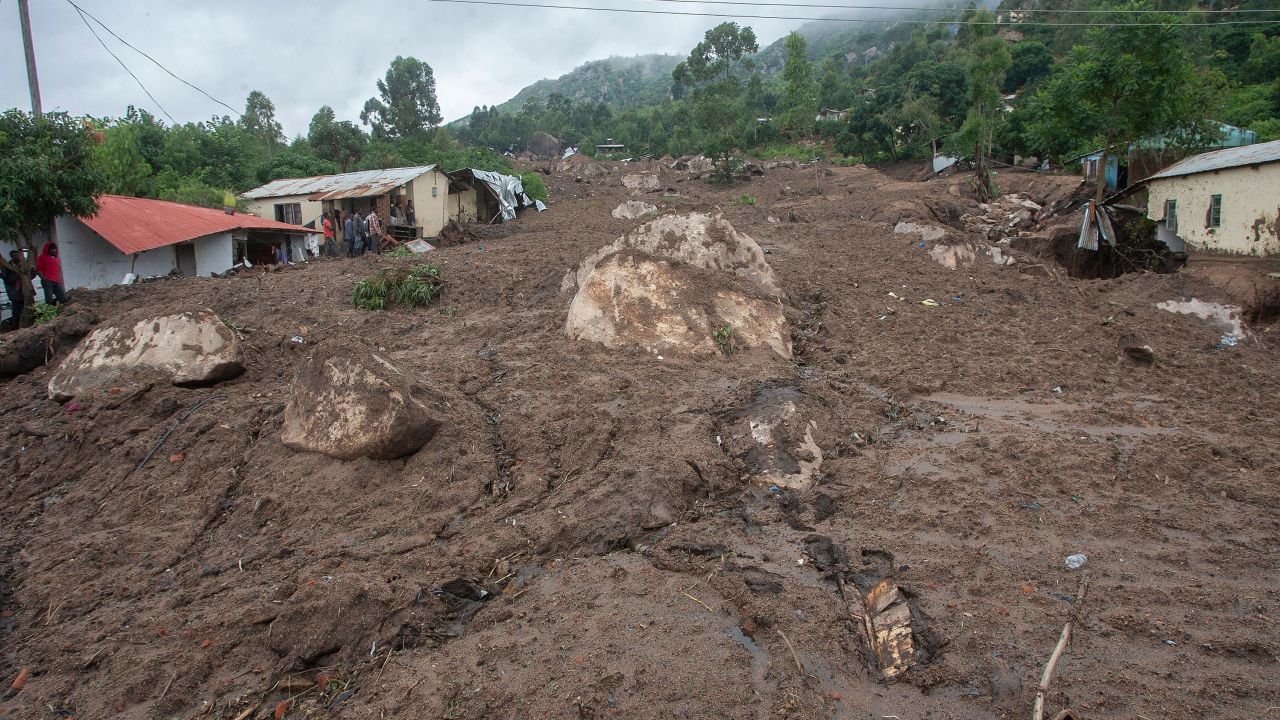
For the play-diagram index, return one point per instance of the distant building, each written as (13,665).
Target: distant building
(1225,201)
(831,116)
(609,147)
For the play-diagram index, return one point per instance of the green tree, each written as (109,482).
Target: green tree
(47,169)
(121,160)
(1031,60)
(408,107)
(339,142)
(1128,82)
(987,62)
(710,77)
(259,120)
(801,92)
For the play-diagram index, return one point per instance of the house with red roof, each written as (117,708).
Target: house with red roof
(153,238)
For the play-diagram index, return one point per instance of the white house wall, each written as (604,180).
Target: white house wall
(430,212)
(1250,209)
(266,207)
(214,254)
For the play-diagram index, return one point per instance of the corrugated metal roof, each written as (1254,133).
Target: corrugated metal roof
(345,185)
(136,224)
(1222,159)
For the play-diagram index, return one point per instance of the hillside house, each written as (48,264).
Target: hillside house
(300,201)
(826,115)
(609,147)
(1146,157)
(1225,201)
(152,238)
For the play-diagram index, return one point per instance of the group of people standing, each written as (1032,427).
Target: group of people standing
(48,266)
(362,231)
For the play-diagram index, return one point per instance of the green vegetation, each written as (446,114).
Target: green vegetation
(417,286)
(534,187)
(745,200)
(723,337)
(44,312)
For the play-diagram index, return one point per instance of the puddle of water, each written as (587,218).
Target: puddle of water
(759,668)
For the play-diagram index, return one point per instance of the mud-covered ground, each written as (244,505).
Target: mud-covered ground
(582,537)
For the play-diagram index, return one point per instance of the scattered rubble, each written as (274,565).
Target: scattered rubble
(632,209)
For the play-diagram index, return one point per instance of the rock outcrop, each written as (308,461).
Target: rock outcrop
(680,283)
(632,209)
(191,348)
(352,404)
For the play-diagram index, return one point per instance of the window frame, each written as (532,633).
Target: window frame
(1171,215)
(1213,219)
(290,213)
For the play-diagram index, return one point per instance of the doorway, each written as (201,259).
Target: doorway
(186,259)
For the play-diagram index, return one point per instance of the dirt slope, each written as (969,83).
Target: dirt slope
(582,539)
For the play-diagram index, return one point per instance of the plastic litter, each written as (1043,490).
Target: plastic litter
(1076,561)
(929,303)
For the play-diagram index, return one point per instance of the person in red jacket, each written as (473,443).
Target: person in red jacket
(49,268)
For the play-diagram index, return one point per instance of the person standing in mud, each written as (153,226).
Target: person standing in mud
(349,234)
(328,235)
(49,268)
(13,286)
(374,241)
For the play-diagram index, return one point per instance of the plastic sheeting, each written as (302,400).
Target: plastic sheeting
(509,191)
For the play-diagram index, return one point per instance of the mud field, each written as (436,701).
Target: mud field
(593,532)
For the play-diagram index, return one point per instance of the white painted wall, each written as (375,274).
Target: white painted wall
(430,212)
(214,254)
(266,207)
(1250,209)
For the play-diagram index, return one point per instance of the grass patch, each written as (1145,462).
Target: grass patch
(418,286)
(402,252)
(799,153)
(745,200)
(723,336)
(533,185)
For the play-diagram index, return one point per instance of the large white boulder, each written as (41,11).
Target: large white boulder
(354,404)
(632,209)
(680,283)
(191,348)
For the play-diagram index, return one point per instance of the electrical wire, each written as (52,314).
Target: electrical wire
(157,63)
(949,9)
(552,6)
(126,67)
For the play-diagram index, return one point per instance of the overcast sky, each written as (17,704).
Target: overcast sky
(320,52)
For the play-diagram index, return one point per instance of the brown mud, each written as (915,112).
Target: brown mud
(587,534)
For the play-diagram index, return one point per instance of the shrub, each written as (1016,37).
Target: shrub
(418,286)
(744,199)
(45,312)
(723,337)
(533,186)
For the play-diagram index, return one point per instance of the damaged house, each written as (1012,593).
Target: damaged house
(152,238)
(300,201)
(487,197)
(1225,201)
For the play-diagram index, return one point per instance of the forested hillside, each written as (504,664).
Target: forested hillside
(1040,78)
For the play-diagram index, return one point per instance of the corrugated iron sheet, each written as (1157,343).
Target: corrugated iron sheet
(1222,159)
(137,224)
(344,185)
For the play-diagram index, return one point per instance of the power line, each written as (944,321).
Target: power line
(551,6)
(157,63)
(126,67)
(948,9)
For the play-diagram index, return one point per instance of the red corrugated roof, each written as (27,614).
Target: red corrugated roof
(137,224)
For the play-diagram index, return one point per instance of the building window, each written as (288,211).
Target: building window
(1215,211)
(1171,215)
(289,213)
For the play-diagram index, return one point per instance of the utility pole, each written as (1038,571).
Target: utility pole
(24,18)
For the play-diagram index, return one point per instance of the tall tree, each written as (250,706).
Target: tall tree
(338,141)
(801,91)
(1130,81)
(259,120)
(987,62)
(709,75)
(46,170)
(120,157)
(408,107)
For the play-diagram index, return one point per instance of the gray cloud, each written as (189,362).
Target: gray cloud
(307,54)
